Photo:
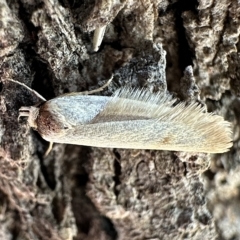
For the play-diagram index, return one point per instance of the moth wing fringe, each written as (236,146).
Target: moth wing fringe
(158,106)
(142,103)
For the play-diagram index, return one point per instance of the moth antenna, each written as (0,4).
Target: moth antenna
(98,89)
(28,88)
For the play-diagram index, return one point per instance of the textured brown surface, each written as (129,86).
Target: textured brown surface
(88,193)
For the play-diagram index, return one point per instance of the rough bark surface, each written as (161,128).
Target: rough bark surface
(189,48)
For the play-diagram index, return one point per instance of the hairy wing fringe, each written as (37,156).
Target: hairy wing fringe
(160,106)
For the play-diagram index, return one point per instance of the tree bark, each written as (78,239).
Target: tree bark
(188,48)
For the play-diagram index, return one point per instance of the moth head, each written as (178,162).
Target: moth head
(31,113)
(46,120)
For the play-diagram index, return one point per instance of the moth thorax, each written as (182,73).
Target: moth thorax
(31,113)
(49,123)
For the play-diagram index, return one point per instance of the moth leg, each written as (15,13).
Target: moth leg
(98,37)
(98,89)
(49,149)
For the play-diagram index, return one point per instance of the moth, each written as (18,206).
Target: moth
(131,118)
